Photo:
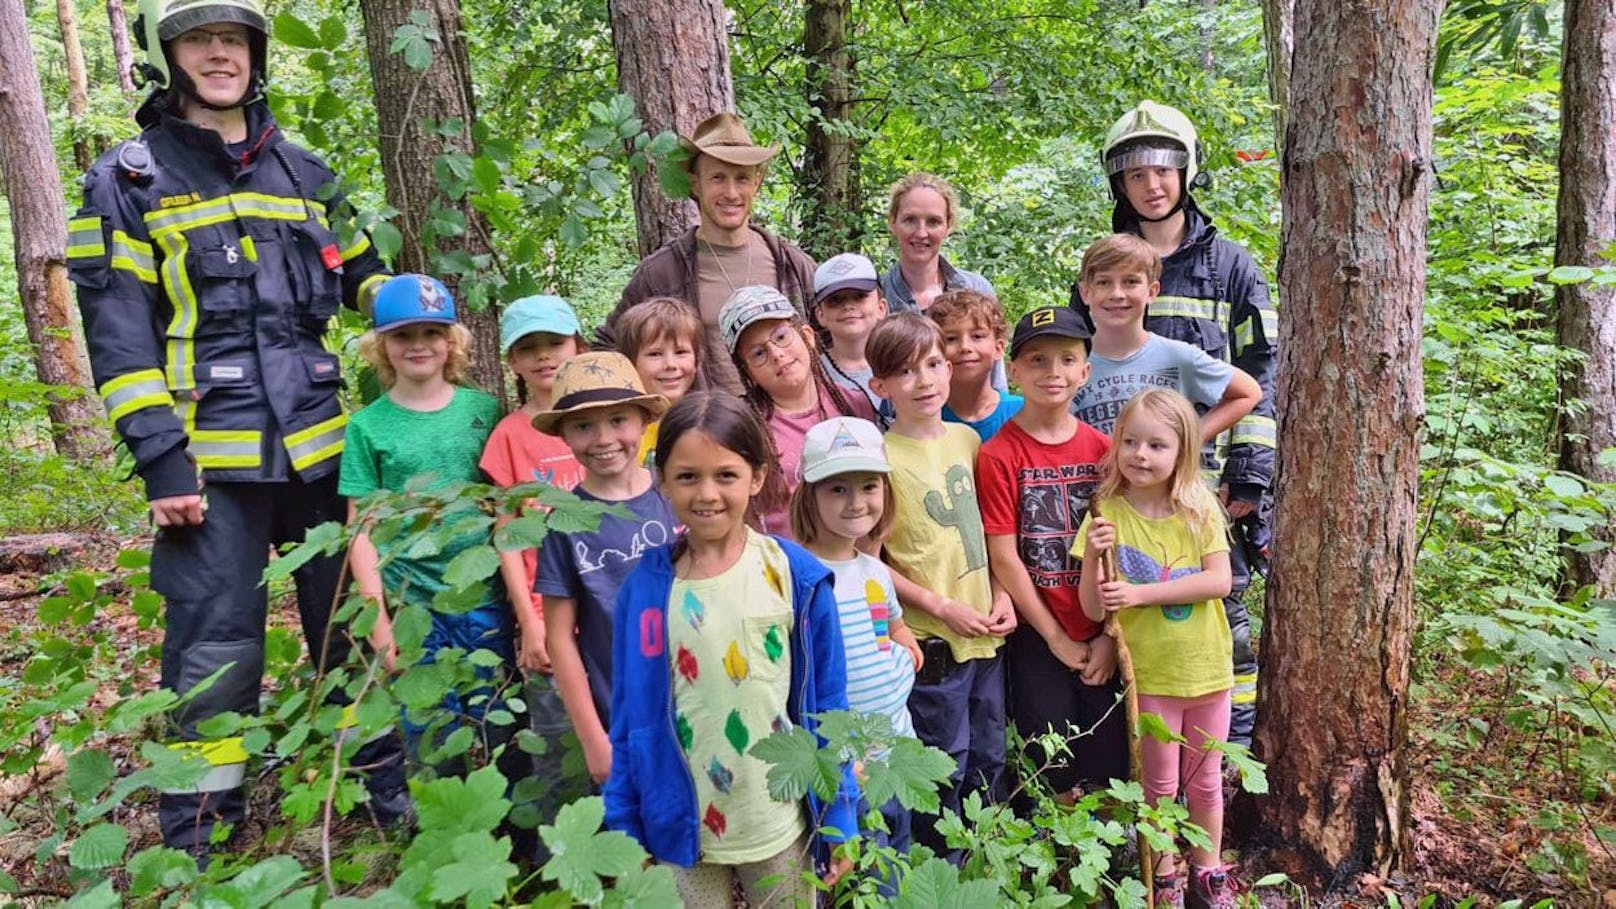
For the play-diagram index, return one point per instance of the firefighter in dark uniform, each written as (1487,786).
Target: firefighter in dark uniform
(209,263)
(1212,296)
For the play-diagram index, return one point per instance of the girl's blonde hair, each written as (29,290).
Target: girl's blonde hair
(455,369)
(1186,490)
(807,527)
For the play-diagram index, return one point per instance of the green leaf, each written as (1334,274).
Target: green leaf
(101,896)
(333,32)
(936,885)
(1271,880)
(326,538)
(134,559)
(474,804)
(1570,274)
(581,854)
(1563,485)
(260,884)
(293,32)
(573,233)
(479,870)
(485,175)
(912,774)
(1151,724)
(475,565)
(798,765)
(386,239)
(1253,773)
(605,182)
(159,867)
(645,888)
(89,772)
(526,532)
(101,846)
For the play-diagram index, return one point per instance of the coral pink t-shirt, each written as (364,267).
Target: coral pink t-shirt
(517,453)
(1040,493)
(790,430)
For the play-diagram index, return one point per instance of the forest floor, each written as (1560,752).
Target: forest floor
(1489,821)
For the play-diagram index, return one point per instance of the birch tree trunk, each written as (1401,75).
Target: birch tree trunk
(33,188)
(1333,710)
(1586,230)
(833,221)
(405,100)
(673,60)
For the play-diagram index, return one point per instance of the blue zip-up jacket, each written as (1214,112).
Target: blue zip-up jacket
(650,794)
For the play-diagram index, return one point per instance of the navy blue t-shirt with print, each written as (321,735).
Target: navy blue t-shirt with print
(589,566)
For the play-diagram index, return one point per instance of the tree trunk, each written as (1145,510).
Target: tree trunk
(833,222)
(1209,34)
(405,100)
(673,60)
(1586,228)
(1278,38)
(118,22)
(39,231)
(1355,194)
(78,84)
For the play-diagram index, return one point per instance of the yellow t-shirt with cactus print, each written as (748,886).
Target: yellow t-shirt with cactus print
(937,539)
(729,637)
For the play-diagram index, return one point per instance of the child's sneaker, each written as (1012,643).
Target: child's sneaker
(1169,892)
(1211,888)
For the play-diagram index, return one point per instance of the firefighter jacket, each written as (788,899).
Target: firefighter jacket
(1213,296)
(207,278)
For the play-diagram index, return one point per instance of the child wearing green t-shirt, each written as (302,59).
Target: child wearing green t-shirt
(425,424)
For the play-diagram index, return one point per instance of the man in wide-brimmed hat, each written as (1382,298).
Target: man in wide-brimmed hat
(726,252)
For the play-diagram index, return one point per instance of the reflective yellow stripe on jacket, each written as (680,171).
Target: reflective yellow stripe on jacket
(134,391)
(323,440)
(84,240)
(166,221)
(220,449)
(1254,430)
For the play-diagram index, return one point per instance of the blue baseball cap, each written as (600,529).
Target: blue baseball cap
(408,299)
(540,312)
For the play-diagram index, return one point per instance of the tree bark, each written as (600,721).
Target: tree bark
(406,100)
(1333,712)
(1586,228)
(833,221)
(33,188)
(1209,35)
(118,22)
(1278,38)
(673,60)
(78,84)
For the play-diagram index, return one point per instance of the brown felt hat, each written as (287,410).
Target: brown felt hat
(724,136)
(596,379)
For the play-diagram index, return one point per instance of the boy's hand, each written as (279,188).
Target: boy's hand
(1075,655)
(1002,617)
(913,646)
(533,654)
(381,640)
(1102,535)
(597,757)
(840,865)
(1102,661)
(962,619)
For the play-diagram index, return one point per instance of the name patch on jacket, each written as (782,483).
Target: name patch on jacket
(177,201)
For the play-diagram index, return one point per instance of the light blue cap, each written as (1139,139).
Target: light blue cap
(540,312)
(408,299)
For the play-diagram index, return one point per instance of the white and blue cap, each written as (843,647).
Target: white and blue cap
(846,271)
(539,313)
(408,299)
(842,445)
(749,306)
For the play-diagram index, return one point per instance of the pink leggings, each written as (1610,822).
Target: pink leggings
(1169,765)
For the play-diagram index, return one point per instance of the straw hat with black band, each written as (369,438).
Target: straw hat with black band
(596,379)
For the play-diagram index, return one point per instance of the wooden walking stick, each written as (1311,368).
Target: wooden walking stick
(1130,698)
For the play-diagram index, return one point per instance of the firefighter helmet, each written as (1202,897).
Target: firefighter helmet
(159,21)
(1152,135)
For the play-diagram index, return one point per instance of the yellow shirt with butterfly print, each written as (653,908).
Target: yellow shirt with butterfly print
(1181,651)
(730,641)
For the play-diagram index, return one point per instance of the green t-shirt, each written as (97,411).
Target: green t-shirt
(388,445)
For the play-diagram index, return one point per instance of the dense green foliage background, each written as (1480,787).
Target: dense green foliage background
(1009,100)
